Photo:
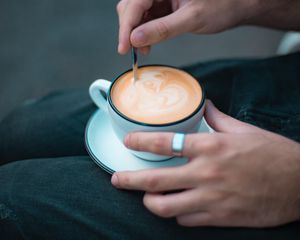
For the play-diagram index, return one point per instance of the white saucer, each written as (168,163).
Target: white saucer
(110,154)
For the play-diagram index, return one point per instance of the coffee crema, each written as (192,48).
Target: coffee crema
(161,95)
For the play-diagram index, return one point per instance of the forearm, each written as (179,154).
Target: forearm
(283,15)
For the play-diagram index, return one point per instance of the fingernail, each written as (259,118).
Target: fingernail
(139,37)
(126,140)
(115,180)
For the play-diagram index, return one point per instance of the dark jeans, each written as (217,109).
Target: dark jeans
(51,189)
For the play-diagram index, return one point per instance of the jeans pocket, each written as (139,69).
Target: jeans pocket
(281,123)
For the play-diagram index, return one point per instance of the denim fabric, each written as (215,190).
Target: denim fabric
(51,189)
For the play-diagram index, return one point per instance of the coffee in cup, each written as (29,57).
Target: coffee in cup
(161,95)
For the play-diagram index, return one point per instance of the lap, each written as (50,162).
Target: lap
(52,126)
(72,198)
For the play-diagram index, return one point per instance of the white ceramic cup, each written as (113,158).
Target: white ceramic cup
(123,125)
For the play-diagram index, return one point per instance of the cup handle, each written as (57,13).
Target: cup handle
(95,90)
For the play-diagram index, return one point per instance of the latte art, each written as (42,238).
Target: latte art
(152,96)
(160,95)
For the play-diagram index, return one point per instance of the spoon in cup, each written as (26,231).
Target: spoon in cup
(134,63)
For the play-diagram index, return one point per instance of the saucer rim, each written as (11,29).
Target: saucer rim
(89,150)
(93,156)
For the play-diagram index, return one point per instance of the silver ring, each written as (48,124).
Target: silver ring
(178,144)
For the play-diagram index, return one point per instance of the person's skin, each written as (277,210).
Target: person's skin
(146,22)
(240,175)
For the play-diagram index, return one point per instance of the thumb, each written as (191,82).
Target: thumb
(161,29)
(221,122)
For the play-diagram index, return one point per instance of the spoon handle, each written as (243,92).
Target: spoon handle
(134,63)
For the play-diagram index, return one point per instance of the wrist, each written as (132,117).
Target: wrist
(281,14)
(256,9)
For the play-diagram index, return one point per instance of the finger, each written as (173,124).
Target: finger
(224,123)
(162,28)
(155,180)
(123,32)
(161,143)
(175,204)
(130,15)
(124,40)
(196,219)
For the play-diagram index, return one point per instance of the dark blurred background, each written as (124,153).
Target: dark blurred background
(47,45)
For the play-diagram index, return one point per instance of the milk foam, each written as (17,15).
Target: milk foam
(161,95)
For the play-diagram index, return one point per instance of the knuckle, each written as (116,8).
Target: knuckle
(152,183)
(163,30)
(158,144)
(197,10)
(211,172)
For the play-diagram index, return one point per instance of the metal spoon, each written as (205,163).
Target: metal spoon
(134,63)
